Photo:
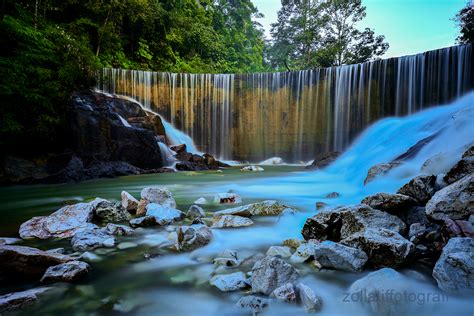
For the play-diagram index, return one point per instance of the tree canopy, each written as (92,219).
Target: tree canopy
(465,20)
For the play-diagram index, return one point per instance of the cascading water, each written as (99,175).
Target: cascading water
(295,115)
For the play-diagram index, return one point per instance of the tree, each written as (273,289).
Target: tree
(465,20)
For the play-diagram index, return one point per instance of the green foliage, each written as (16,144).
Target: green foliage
(465,20)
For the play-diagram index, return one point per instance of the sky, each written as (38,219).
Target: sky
(409,26)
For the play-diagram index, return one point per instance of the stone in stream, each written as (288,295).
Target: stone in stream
(390,203)
(27,262)
(9,241)
(227,221)
(129,202)
(285,293)
(61,224)
(271,273)
(379,170)
(201,201)
(456,201)
(227,198)
(107,211)
(192,237)
(332,195)
(340,257)
(421,188)
(227,258)
(279,251)
(230,282)
(292,243)
(141,208)
(253,304)
(304,252)
(462,168)
(144,221)
(265,208)
(119,230)
(159,195)
(310,301)
(92,238)
(18,300)
(252,168)
(164,215)
(195,211)
(384,248)
(454,271)
(323,160)
(66,272)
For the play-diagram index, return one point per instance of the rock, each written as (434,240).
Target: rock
(111,212)
(201,201)
(310,301)
(421,188)
(416,214)
(192,237)
(229,282)
(61,224)
(323,160)
(272,161)
(279,251)
(390,203)
(265,208)
(158,195)
(454,271)
(164,215)
(292,243)
(320,205)
(18,300)
(379,170)
(195,211)
(90,257)
(340,257)
(252,168)
(119,230)
(9,241)
(227,258)
(179,148)
(141,208)
(457,228)
(332,195)
(456,201)
(384,248)
(285,293)
(129,202)
(462,168)
(66,272)
(342,222)
(126,245)
(252,303)
(226,221)
(271,273)
(304,252)
(227,198)
(92,238)
(21,261)
(145,221)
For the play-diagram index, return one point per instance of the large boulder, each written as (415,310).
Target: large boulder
(340,257)
(158,195)
(164,215)
(462,168)
(91,238)
(342,222)
(456,201)
(21,261)
(107,212)
(18,300)
(192,237)
(265,208)
(454,270)
(421,188)
(390,203)
(63,223)
(66,272)
(270,273)
(384,248)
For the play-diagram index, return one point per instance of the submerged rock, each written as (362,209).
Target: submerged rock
(158,195)
(226,221)
(192,237)
(227,198)
(92,238)
(129,202)
(195,211)
(332,195)
(454,270)
(270,273)
(390,203)
(66,272)
(230,282)
(421,188)
(252,168)
(340,257)
(111,212)
(164,215)
(18,300)
(265,208)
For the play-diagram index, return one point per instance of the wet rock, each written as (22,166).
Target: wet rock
(145,221)
(304,252)
(179,148)
(21,261)
(310,301)
(323,160)
(252,168)
(462,168)
(279,251)
(19,300)
(271,273)
(164,215)
(458,228)
(285,293)
(340,257)
(129,203)
(61,224)
(292,243)
(9,241)
(390,203)
(227,198)
(227,258)
(141,208)
(229,282)
(118,230)
(332,195)
(454,270)
(272,161)
(201,201)
(126,245)
(92,238)
(226,221)
(71,271)
(252,303)
(265,208)
(456,201)
(379,170)
(111,212)
(158,195)
(195,211)
(416,214)
(421,188)
(192,237)
(383,247)
(90,257)
(321,205)
(342,222)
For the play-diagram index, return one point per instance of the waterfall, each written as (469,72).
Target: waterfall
(295,115)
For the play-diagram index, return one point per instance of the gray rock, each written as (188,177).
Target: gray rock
(421,188)
(111,212)
(390,203)
(119,230)
(126,245)
(195,211)
(271,273)
(18,300)
(252,303)
(265,208)
(9,241)
(454,271)
(92,238)
(456,201)
(144,221)
(414,215)
(66,272)
(226,221)
(164,215)
(380,169)
(90,257)
(340,257)
(310,301)
(129,203)
(385,248)
(279,251)
(461,169)
(159,195)
(229,282)
(227,258)
(304,252)
(192,237)
(227,198)
(285,293)
(332,195)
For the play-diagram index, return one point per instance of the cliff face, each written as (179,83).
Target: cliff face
(109,136)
